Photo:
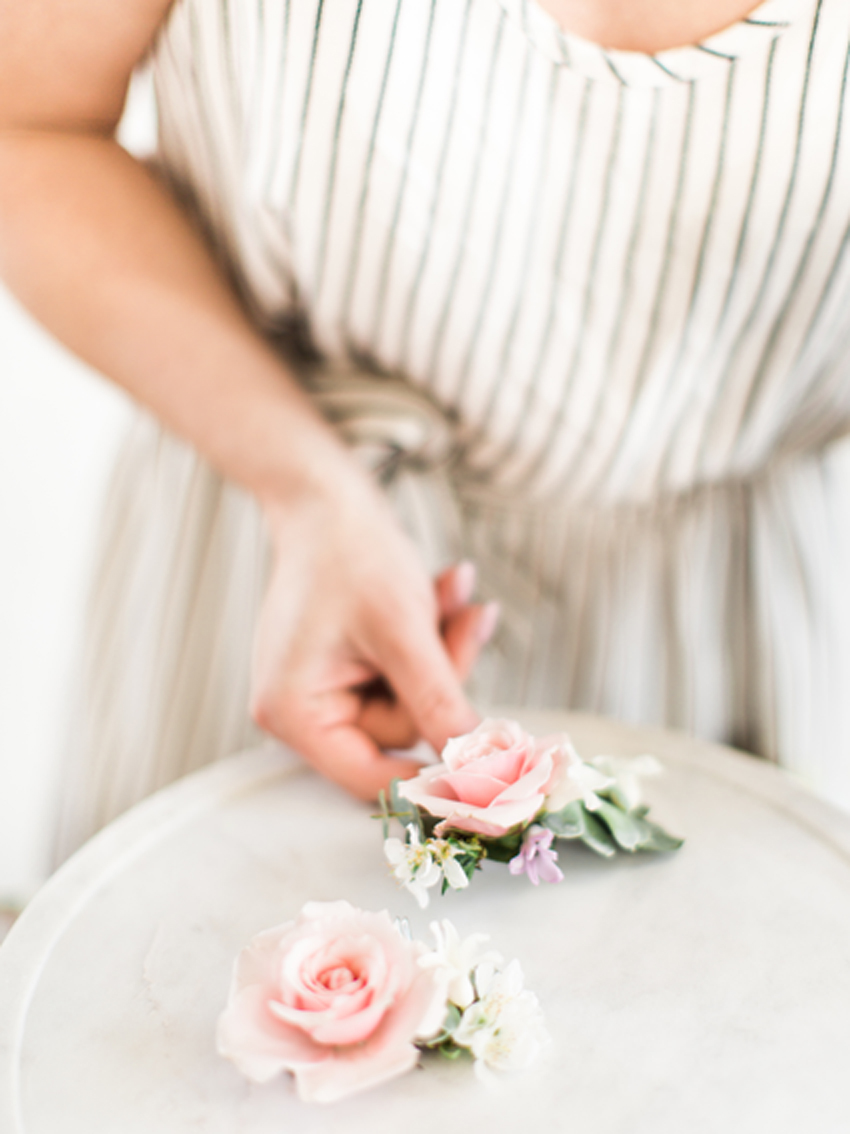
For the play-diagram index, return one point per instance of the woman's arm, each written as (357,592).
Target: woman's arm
(94,245)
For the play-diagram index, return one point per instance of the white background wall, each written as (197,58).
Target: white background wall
(60,425)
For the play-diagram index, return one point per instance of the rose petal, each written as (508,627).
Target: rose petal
(490,735)
(388,1053)
(327,1010)
(532,783)
(471,825)
(424,788)
(508,765)
(479,790)
(332,1028)
(259,960)
(422,1011)
(259,1045)
(494,821)
(335,1079)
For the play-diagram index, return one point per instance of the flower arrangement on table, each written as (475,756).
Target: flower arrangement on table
(344,999)
(501,794)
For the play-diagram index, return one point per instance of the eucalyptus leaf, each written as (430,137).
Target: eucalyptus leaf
(655,838)
(404,810)
(627,830)
(568,823)
(596,835)
(616,796)
(453,1016)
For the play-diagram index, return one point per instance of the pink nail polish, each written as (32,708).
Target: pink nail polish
(488,622)
(465,577)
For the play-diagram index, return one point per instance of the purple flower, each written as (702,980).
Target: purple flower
(536,857)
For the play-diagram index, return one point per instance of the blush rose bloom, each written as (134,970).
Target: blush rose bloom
(495,778)
(337,998)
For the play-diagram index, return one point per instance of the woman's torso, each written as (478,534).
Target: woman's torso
(624,275)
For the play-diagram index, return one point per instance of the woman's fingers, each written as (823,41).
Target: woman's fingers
(323,728)
(383,718)
(465,628)
(341,678)
(346,755)
(386,719)
(413,656)
(455,587)
(466,633)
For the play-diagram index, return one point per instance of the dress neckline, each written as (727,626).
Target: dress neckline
(676,65)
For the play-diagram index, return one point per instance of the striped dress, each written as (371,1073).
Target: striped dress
(614,291)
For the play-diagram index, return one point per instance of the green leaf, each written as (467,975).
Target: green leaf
(596,835)
(655,838)
(453,1015)
(616,797)
(404,810)
(450,1050)
(471,855)
(568,823)
(626,829)
(384,815)
(506,847)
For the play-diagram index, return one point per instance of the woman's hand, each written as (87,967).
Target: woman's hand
(357,649)
(350,615)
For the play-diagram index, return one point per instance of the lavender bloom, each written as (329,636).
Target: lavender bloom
(536,857)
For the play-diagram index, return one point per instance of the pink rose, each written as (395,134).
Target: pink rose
(489,781)
(337,997)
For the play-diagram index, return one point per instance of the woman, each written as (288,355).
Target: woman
(612,279)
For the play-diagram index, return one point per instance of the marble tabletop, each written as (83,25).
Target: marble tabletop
(696,993)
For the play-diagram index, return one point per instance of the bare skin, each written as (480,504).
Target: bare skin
(646,25)
(156,315)
(103,256)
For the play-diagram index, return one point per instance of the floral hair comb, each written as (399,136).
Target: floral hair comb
(501,794)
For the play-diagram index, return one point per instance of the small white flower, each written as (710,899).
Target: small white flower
(458,959)
(413,865)
(626,774)
(575,779)
(446,856)
(496,986)
(514,1041)
(588,780)
(504,1027)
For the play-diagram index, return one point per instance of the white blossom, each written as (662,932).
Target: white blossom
(458,958)
(504,1027)
(446,856)
(587,781)
(413,865)
(626,773)
(575,779)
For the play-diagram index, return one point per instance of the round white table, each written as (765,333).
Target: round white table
(697,993)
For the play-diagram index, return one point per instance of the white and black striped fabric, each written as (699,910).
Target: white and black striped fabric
(624,281)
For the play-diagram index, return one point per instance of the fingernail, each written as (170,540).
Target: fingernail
(487,622)
(465,577)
